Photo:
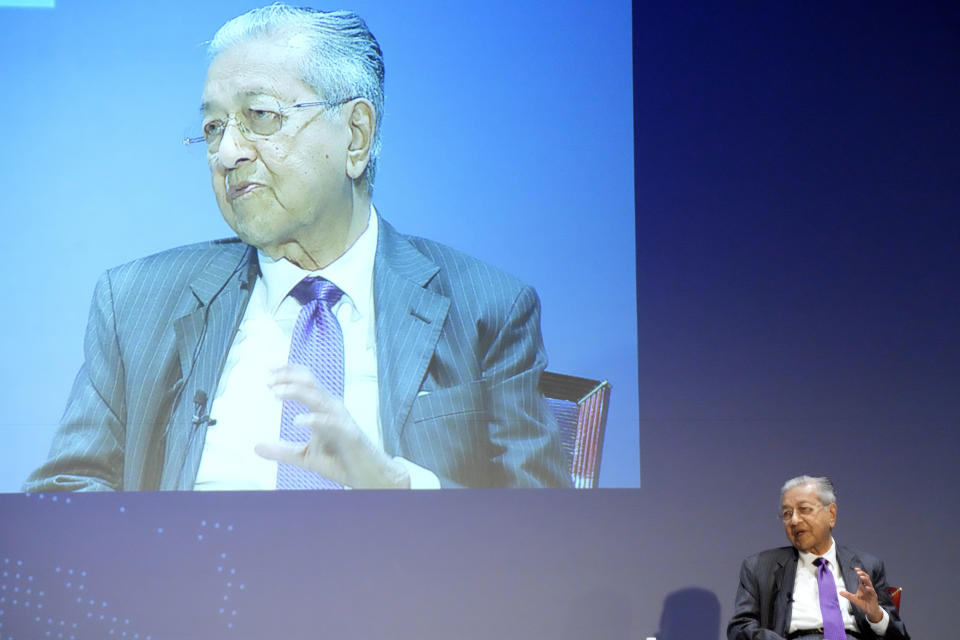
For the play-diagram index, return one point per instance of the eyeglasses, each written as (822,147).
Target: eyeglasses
(804,511)
(253,123)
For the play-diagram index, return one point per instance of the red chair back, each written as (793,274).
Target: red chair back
(580,407)
(895,596)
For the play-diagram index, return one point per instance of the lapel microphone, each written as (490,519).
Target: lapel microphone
(200,415)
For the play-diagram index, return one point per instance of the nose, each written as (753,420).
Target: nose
(234,148)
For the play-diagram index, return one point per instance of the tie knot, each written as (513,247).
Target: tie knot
(821,561)
(311,288)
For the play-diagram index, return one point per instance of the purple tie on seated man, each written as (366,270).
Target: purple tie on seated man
(792,592)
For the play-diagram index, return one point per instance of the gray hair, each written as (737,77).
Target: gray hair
(343,58)
(822,484)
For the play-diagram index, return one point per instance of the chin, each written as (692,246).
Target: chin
(249,227)
(258,240)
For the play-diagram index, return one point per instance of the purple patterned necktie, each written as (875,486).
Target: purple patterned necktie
(829,602)
(317,343)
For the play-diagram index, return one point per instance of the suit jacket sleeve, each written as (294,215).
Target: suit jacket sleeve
(522,430)
(878,576)
(87,450)
(460,355)
(752,610)
(479,419)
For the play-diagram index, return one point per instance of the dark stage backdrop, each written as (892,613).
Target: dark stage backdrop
(797,312)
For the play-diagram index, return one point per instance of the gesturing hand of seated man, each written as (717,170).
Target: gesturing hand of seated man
(866,597)
(337,448)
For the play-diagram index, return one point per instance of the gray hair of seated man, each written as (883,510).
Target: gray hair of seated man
(822,484)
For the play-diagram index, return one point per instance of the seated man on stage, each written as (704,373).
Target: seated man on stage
(321,348)
(815,589)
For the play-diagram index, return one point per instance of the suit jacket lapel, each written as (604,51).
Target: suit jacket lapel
(203,338)
(409,319)
(785,577)
(849,561)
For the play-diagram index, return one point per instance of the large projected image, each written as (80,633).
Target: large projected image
(326,342)
(788,278)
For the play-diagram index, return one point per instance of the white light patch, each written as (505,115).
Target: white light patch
(29,4)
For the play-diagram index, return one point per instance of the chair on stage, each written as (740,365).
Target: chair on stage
(580,406)
(895,596)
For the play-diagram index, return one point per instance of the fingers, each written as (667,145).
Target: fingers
(332,430)
(337,449)
(334,436)
(279,452)
(865,581)
(296,382)
(864,587)
(292,373)
(867,599)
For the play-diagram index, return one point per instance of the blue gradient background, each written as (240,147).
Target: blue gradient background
(797,287)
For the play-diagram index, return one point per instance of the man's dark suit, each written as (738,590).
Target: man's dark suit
(765,595)
(459,361)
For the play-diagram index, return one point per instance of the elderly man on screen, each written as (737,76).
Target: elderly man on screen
(814,589)
(321,348)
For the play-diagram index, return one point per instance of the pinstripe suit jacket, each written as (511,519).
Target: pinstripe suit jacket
(459,360)
(765,595)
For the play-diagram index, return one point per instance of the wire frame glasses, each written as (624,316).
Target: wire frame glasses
(254,123)
(803,510)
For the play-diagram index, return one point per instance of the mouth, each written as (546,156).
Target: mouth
(241,189)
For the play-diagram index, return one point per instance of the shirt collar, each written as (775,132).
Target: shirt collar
(352,272)
(806,559)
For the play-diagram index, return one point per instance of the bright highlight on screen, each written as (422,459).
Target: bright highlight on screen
(29,4)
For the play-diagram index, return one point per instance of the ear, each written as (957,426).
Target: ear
(833,514)
(362,122)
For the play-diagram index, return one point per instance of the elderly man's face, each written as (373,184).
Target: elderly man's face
(807,522)
(282,192)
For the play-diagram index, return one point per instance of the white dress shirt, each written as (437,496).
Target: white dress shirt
(246,410)
(806,596)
